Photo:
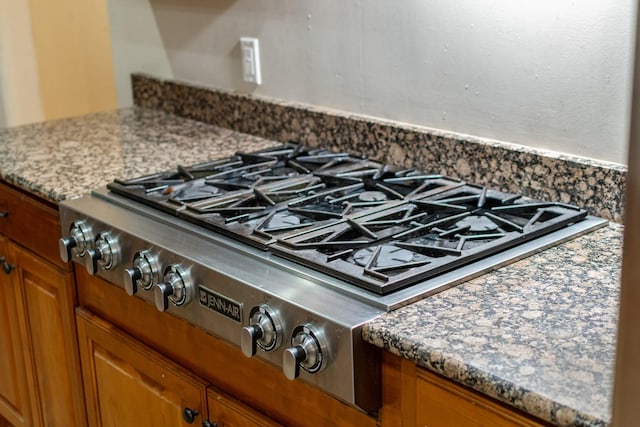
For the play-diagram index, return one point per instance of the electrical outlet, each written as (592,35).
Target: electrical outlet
(250,50)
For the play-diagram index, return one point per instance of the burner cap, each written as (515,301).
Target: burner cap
(477,223)
(283,219)
(389,256)
(372,196)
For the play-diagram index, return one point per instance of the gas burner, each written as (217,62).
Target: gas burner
(189,193)
(382,256)
(372,196)
(404,242)
(284,220)
(365,222)
(476,223)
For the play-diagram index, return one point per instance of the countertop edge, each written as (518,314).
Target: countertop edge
(35,189)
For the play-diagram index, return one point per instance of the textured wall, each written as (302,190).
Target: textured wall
(548,74)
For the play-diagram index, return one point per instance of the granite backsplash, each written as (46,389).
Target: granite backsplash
(594,185)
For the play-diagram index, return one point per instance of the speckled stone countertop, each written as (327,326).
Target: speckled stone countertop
(538,334)
(64,159)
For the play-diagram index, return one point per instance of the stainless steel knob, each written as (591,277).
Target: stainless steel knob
(176,288)
(106,254)
(309,351)
(144,272)
(161,294)
(131,276)
(264,331)
(65,245)
(79,241)
(91,261)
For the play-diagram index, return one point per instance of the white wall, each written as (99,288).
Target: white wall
(136,44)
(553,74)
(19,86)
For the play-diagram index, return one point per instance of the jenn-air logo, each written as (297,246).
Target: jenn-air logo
(220,304)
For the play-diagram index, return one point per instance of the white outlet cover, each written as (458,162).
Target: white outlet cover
(250,52)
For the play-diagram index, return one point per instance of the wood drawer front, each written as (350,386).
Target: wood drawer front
(31,223)
(440,402)
(227,411)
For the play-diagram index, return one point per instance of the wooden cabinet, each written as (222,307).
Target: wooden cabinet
(32,223)
(128,384)
(228,412)
(14,399)
(45,301)
(413,396)
(261,395)
(39,345)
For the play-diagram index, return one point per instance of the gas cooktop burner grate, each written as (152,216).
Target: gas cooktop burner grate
(380,228)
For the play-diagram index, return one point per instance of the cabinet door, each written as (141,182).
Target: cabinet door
(13,383)
(45,300)
(128,384)
(225,411)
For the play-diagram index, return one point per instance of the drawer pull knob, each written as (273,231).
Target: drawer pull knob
(6,267)
(4,214)
(189,415)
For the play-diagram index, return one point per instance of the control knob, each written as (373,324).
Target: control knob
(79,240)
(106,253)
(308,351)
(176,287)
(144,273)
(264,331)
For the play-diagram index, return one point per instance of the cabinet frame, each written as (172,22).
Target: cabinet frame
(41,292)
(16,407)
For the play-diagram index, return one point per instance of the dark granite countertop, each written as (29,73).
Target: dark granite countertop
(538,334)
(64,159)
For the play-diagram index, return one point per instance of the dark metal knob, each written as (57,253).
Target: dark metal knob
(189,415)
(6,267)
(207,423)
(4,214)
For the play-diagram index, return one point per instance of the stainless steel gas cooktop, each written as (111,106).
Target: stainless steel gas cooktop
(288,251)
(376,227)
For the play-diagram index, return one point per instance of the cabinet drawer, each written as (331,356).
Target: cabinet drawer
(441,402)
(30,222)
(227,411)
